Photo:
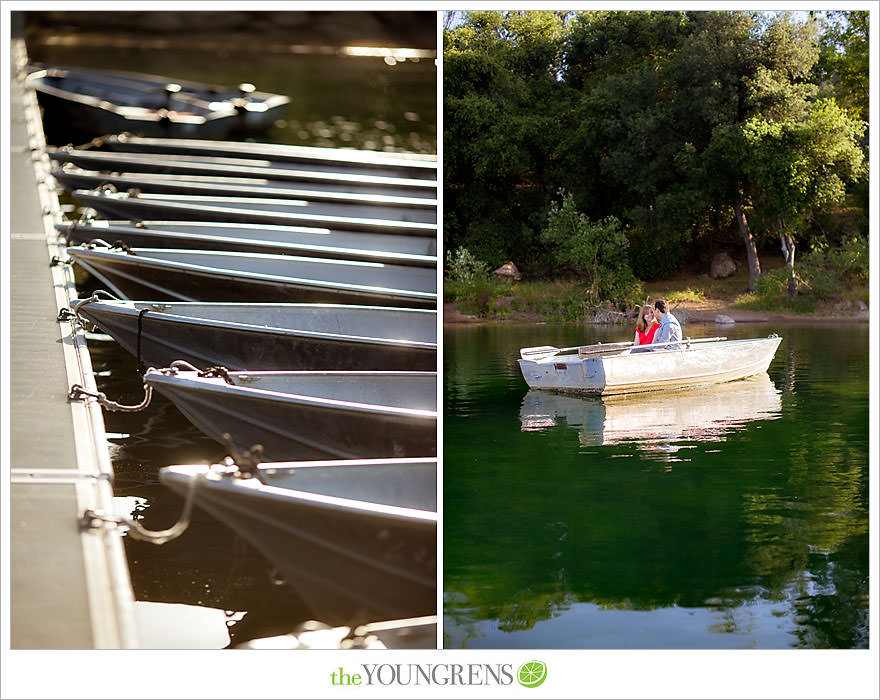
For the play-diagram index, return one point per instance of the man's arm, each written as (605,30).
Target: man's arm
(662,334)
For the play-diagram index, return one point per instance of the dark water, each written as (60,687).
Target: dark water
(733,517)
(209,588)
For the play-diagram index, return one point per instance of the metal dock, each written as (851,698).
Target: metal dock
(69,585)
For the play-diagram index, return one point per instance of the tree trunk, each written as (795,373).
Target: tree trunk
(751,248)
(788,253)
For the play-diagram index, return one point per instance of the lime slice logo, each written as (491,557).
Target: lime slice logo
(532,673)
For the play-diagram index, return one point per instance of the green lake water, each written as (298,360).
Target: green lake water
(733,516)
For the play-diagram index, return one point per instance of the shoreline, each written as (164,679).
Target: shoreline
(700,313)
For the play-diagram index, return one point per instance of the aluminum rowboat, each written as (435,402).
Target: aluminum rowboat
(252,210)
(616,371)
(268,336)
(377,162)
(310,415)
(74,178)
(337,178)
(197,275)
(275,240)
(99,102)
(355,539)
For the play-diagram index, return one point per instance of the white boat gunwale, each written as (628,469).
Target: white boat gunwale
(326,544)
(143,258)
(230,483)
(98,199)
(138,113)
(362,156)
(219,385)
(272,189)
(391,257)
(659,348)
(119,162)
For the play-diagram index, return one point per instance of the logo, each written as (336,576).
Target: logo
(531,674)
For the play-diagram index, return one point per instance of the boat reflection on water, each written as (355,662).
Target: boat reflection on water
(658,423)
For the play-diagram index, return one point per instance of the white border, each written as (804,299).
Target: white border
(583,674)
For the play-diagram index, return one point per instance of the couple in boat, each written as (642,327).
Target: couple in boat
(657,326)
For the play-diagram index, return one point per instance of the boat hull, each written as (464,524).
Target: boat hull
(621,373)
(336,179)
(186,275)
(367,162)
(272,240)
(221,186)
(269,336)
(304,422)
(248,210)
(351,560)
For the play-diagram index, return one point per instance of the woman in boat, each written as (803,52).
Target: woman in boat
(646,326)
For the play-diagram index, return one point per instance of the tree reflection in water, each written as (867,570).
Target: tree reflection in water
(751,530)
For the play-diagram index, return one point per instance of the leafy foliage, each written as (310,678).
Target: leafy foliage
(470,284)
(667,121)
(463,266)
(595,250)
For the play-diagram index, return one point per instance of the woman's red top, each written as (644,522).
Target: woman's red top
(647,337)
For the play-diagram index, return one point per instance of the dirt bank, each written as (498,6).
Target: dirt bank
(692,312)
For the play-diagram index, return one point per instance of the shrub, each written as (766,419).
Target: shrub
(598,251)
(462,266)
(822,275)
(470,284)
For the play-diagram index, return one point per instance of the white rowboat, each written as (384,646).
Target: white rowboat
(618,369)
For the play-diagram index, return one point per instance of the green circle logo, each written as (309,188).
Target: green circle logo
(532,673)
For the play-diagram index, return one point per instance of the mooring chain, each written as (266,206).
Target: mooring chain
(91,519)
(77,391)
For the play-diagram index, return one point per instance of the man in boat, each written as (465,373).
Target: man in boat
(669,330)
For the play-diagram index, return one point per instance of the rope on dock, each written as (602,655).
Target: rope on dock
(65,314)
(77,391)
(92,519)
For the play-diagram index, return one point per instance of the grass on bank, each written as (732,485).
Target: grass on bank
(828,280)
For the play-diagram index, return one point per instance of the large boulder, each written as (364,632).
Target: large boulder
(508,273)
(722,266)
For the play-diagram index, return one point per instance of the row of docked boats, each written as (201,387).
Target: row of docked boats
(285,300)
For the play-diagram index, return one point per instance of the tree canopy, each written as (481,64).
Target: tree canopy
(693,129)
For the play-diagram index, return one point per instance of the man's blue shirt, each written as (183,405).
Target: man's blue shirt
(669,331)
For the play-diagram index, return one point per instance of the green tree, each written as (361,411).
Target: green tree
(500,129)
(622,147)
(842,68)
(596,250)
(799,166)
